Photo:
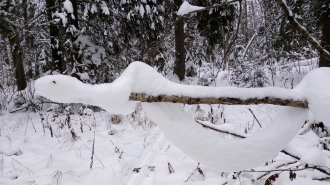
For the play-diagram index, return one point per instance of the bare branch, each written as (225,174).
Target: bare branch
(255,117)
(222,131)
(322,169)
(277,167)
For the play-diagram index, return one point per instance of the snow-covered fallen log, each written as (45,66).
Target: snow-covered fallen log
(219,100)
(197,142)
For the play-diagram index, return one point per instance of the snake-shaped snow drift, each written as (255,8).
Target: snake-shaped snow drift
(205,146)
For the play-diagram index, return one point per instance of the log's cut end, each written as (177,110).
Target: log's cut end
(222,100)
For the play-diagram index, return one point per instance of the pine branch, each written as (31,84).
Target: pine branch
(210,7)
(157,44)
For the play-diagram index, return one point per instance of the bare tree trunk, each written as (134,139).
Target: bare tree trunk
(180,53)
(325,39)
(18,62)
(17,54)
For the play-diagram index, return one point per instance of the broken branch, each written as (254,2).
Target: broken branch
(217,100)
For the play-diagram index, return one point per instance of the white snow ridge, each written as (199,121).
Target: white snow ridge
(202,145)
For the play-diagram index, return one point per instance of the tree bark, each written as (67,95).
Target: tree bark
(219,100)
(325,39)
(180,53)
(17,54)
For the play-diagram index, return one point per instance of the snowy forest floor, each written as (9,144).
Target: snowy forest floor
(132,150)
(100,148)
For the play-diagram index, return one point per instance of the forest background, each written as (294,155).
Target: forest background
(95,40)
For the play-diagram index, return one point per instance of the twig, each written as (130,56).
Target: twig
(170,168)
(289,154)
(21,165)
(21,108)
(324,170)
(167,148)
(57,178)
(33,125)
(255,117)
(91,151)
(321,179)
(91,165)
(197,169)
(276,168)
(218,130)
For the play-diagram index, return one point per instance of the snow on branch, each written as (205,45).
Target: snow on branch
(186,10)
(302,30)
(322,169)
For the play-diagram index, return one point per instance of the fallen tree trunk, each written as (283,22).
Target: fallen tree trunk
(220,100)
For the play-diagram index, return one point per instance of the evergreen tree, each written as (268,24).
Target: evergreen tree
(321,11)
(11,25)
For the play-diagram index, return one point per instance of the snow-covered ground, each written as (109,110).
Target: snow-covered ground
(134,151)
